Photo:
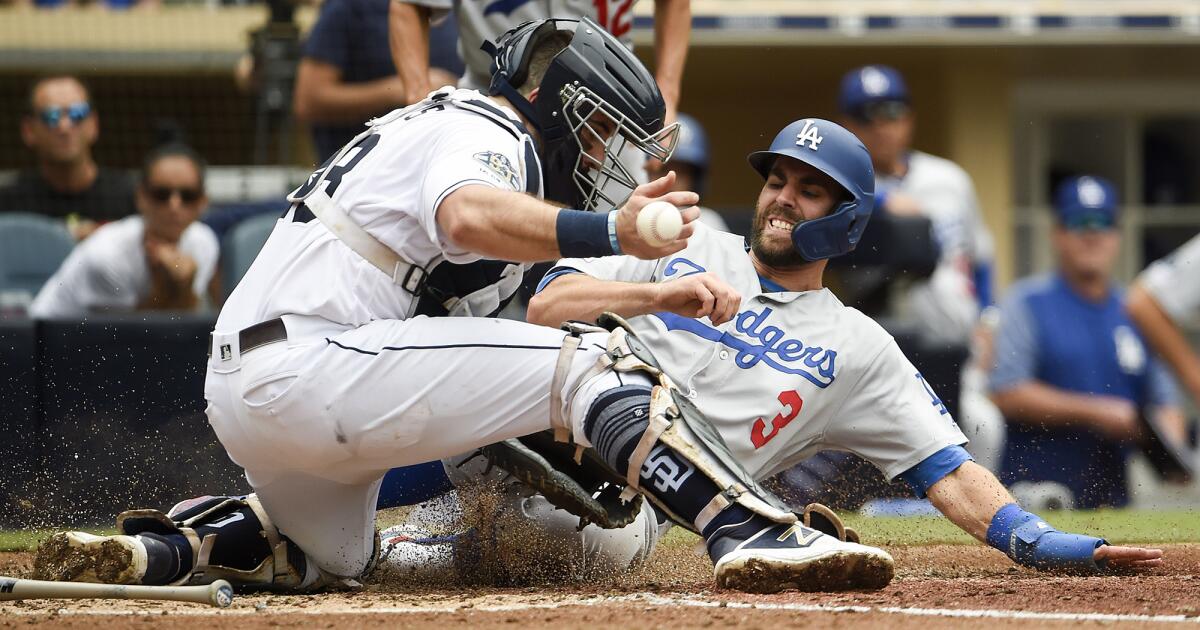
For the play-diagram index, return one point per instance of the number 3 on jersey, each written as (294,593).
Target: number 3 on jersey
(792,403)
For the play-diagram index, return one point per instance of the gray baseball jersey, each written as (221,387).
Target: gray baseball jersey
(794,373)
(487,20)
(1173,282)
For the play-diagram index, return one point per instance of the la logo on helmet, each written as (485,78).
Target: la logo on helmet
(809,134)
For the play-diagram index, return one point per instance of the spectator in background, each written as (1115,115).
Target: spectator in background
(346,75)
(159,259)
(690,163)
(1071,372)
(60,129)
(876,107)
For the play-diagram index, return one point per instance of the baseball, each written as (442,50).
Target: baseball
(659,223)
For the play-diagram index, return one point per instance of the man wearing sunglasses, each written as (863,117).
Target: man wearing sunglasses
(876,107)
(1071,370)
(60,128)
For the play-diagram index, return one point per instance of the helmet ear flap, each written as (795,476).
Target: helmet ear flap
(831,235)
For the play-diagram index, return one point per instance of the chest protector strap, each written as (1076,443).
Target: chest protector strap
(403,272)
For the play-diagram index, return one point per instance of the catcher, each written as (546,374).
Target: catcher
(780,367)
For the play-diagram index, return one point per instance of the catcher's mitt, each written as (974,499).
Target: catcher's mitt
(588,488)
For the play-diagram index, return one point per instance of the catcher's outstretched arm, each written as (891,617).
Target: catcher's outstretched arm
(972,498)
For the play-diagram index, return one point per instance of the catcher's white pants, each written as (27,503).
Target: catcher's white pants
(317,420)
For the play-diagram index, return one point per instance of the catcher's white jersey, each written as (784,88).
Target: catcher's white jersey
(793,373)
(391,185)
(487,20)
(945,306)
(1173,283)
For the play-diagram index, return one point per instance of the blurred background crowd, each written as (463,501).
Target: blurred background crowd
(1030,165)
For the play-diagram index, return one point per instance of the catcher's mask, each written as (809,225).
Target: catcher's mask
(594,99)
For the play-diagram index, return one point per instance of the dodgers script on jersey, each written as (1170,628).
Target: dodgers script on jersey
(487,20)
(390,183)
(836,379)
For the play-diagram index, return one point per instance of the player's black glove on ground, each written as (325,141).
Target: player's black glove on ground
(588,489)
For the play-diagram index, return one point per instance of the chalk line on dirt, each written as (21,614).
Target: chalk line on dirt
(637,598)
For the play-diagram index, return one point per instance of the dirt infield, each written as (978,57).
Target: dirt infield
(935,587)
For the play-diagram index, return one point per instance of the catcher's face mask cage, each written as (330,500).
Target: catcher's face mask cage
(602,133)
(594,99)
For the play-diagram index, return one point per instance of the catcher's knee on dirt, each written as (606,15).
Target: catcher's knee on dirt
(663,446)
(224,538)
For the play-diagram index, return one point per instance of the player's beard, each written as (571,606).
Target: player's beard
(773,252)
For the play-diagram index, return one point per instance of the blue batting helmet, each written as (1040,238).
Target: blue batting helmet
(831,149)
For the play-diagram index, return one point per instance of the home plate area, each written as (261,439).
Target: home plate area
(936,586)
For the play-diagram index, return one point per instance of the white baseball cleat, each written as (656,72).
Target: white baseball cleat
(84,557)
(793,557)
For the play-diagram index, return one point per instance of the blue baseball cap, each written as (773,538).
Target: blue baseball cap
(1086,203)
(868,85)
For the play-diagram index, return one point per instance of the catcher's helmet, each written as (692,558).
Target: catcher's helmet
(831,149)
(594,77)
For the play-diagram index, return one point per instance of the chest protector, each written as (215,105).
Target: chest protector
(441,288)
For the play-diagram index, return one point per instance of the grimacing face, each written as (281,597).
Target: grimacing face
(171,198)
(794,192)
(67,141)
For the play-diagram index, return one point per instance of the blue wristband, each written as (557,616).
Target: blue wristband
(582,234)
(1031,542)
(612,232)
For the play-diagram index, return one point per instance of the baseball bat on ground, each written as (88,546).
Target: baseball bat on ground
(219,593)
